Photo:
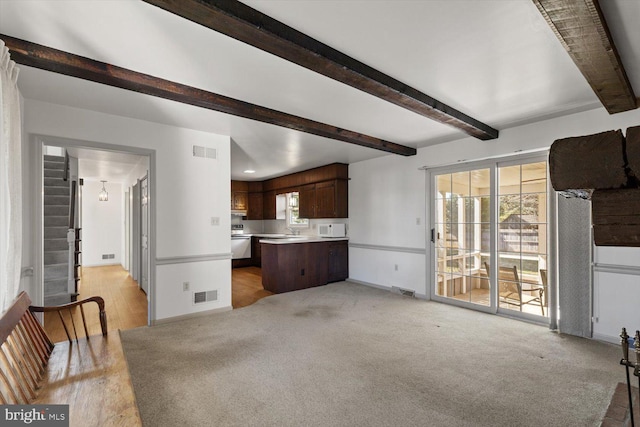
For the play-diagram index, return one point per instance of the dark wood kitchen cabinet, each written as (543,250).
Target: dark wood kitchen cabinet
(255,209)
(328,199)
(239,195)
(338,261)
(307,200)
(323,193)
(239,200)
(293,266)
(269,205)
(256,252)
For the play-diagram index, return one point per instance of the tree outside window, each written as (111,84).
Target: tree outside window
(293,211)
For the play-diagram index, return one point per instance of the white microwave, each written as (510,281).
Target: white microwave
(332,230)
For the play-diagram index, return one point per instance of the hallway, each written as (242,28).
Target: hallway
(125,303)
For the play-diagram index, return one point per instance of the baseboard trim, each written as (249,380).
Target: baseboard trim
(191,315)
(381,287)
(606,338)
(101,265)
(369,284)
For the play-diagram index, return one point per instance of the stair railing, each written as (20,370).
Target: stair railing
(72,206)
(65,175)
(71,240)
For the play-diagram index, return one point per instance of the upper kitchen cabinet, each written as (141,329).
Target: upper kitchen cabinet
(240,201)
(255,208)
(269,205)
(239,196)
(327,199)
(307,199)
(323,193)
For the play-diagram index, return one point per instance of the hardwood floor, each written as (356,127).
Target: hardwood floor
(246,286)
(125,303)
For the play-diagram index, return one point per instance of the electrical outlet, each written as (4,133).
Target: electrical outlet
(396,267)
(215,220)
(417,221)
(185,286)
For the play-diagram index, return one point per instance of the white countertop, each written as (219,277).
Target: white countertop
(279,239)
(299,239)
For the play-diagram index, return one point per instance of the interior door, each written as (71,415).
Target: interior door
(127,230)
(144,235)
(135,232)
(462,236)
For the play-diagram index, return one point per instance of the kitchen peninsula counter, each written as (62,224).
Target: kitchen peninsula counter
(300,239)
(298,262)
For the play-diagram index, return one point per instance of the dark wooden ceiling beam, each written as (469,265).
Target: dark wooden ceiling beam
(49,59)
(241,22)
(582,30)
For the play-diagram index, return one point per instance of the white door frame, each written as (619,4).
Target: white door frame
(552,261)
(39,141)
(127,229)
(135,235)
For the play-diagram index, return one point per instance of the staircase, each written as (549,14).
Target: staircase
(56,225)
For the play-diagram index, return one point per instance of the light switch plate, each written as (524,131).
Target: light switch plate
(215,220)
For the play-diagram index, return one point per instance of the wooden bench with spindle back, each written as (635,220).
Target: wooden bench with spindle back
(89,373)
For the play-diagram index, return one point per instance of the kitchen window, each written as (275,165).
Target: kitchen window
(293,212)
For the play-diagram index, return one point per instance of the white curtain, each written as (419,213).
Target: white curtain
(10,181)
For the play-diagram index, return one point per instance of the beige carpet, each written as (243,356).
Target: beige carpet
(349,355)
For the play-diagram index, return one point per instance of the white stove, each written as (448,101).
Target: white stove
(240,243)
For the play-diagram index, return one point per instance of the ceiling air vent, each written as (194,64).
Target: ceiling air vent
(205,152)
(205,296)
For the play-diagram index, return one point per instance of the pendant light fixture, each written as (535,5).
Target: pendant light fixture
(103,196)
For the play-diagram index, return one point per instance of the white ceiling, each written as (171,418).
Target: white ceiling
(496,61)
(98,165)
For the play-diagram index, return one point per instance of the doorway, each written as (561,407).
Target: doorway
(489,238)
(119,165)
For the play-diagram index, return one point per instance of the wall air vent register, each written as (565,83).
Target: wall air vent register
(207,153)
(205,296)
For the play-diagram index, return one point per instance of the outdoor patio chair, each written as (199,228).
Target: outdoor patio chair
(510,289)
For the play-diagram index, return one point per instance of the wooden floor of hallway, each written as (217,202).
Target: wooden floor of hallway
(125,303)
(246,286)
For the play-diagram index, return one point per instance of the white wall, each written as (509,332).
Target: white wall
(388,195)
(616,292)
(387,211)
(101,224)
(189,191)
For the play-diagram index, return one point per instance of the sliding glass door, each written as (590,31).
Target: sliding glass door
(489,237)
(462,234)
(522,238)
